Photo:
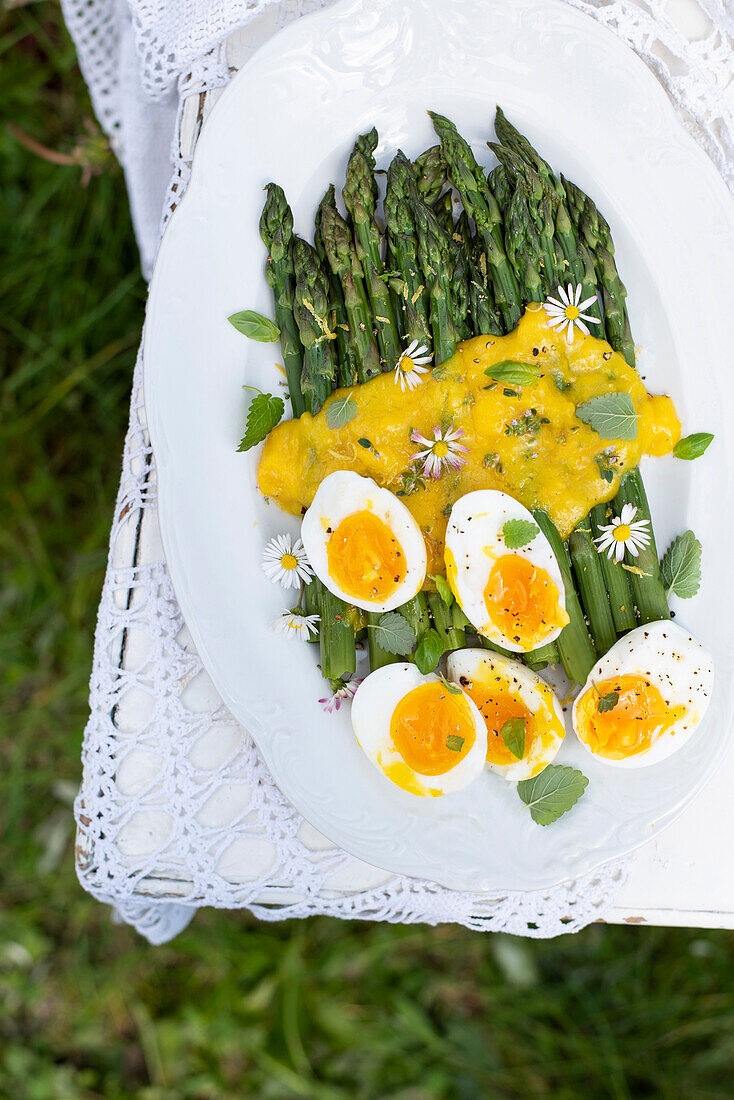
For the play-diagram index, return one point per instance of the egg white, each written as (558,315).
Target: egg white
(468,666)
(474,543)
(676,664)
(340,495)
(372,708)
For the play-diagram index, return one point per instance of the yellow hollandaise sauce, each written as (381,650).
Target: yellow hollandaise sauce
(524,440)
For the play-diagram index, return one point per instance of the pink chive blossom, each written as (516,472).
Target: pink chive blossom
(345,692)
(441,453)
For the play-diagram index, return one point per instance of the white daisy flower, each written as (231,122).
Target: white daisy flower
(411,365)
(440,453)
(567,311)
(343,694)
(296,624)
(624,534)
(284,561)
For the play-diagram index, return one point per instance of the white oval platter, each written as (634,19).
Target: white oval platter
(291,115)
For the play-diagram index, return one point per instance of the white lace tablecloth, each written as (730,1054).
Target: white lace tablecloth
(176,809)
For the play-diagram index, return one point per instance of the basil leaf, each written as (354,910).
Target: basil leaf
(610,415)
(680,569)
(513,735)
(607,702)
(428,651)
(552,793)
(444,590)
(255,326)
(393,633)
(518,532)
(263,414)
(517,374)
(340,411)
(692,446)
(454,743)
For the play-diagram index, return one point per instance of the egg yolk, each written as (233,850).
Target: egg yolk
(497,707)
(635,722)
(432,729)
(364,558)
(522,601)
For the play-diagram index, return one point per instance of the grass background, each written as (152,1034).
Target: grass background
(232,1008)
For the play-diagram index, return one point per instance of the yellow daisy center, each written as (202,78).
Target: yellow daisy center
(440,449)
(406,364)
(572,312)
(622,532)
(289,561)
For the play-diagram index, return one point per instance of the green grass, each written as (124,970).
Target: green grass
(233,1008)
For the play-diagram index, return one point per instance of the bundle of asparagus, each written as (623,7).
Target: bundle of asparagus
(347,306)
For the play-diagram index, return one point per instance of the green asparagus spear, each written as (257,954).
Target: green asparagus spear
(276,230)
(484,319)
(360,196)
(615,578)
(500,185)
(541,657)
(437,264)
(454,637)
(512,139)
(591,584)
(481,205)
(344,263)
(431,174)
(443,208)
(575,647)
(644,576)
(336,636)
(339,322)
(403,249)
(311,310)
(540,202)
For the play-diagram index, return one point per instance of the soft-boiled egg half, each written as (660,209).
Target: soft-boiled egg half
(363,543)
(502,690)
(514,597)
(644,698)
(427,738)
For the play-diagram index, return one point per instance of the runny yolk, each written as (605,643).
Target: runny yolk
(522,601)
(364,557)
(432,729)
(632,725)
(497,707)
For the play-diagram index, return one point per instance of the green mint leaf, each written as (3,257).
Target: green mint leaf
(255,326)
(680,568)
(516,374)
(393,633)
(454,743)
(365,443)
(607,702)
(340,411)
(610,415)
(263,414)
(518,532)
(553,792)
(513,735)
(443,588)
(451,688)
(692,446)
(428,651)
